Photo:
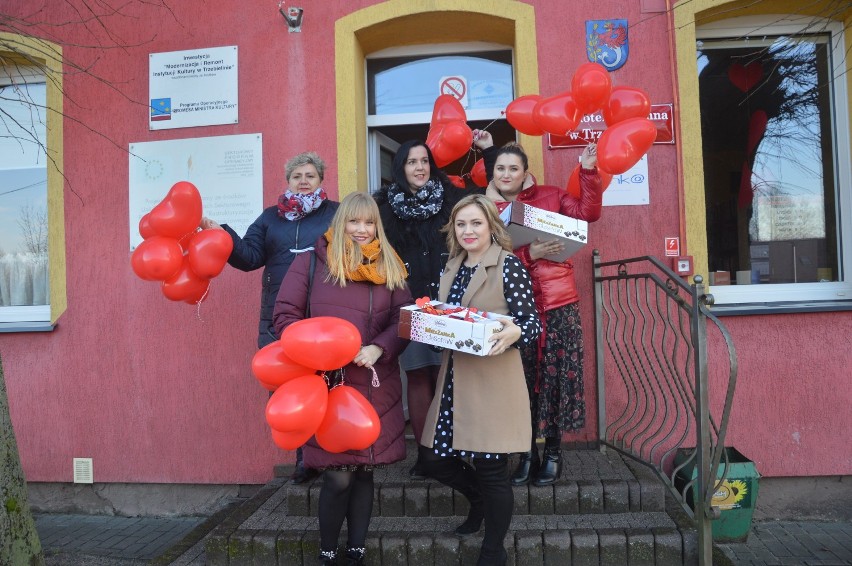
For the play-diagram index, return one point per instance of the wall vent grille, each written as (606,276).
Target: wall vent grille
(83,470)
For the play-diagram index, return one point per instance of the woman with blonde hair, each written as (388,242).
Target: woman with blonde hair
(481,409)
(355,275)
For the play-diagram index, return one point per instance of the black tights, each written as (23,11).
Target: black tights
(345,495)
(486,484)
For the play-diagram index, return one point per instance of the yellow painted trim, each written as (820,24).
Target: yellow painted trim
(686,16)
(407,22)
(36,49)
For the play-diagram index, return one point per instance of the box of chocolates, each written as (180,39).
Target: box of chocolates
(449,326)
(525,223)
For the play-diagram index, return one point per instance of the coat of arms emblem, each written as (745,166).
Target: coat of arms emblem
(606,42)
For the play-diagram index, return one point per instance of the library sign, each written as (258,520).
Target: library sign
(591,127)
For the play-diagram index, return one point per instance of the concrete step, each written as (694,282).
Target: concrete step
(592,482)
(604,510)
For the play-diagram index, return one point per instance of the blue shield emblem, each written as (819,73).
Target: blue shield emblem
(606,42)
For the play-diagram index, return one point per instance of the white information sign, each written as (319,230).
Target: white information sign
(629,188)
(226,170)
(193,88)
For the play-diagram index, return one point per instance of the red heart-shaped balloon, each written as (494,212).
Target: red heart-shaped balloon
(322,342)
(626,102)
(290,440)
(573,186)
(271,366)
(447,109)
(477,174)
(621,146)
(558,114)
(350,423)
(450,142)
(299,404)
(591,86)
(145,229)
(208,252)
(745,76)
(519,113)
(157,258)
(178,213)
(185,285)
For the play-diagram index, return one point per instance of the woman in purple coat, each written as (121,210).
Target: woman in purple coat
(357,277)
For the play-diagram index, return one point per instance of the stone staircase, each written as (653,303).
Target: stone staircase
(606,510)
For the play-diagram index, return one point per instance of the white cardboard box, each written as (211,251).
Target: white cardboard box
(526,223)
(446,332)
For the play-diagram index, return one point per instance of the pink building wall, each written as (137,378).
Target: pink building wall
(155,392)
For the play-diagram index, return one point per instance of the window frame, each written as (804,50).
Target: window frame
(42,318)
(804,293)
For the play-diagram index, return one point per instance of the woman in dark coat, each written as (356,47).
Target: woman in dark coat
(414,208)
(357,277)
(279,234)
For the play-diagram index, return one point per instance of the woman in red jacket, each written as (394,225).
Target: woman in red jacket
(554,366)
(357,277)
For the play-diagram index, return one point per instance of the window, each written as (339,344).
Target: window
(773,125)
(24,280)
(403,83)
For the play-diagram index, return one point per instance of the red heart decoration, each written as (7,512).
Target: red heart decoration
(745,76)
(157,258)
(756,128)
(299,404)
(178,213)
(350,423)
(271,366)
(208,252)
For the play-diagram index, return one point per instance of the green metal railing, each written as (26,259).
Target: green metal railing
(653,378)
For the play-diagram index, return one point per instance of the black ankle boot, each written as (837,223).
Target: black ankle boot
(527,468)
(302,474)
(551,467)
(328,558)
(473,522)
(355,556)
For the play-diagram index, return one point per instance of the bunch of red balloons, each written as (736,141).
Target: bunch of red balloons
(302,405)
(175,252)
(629,133)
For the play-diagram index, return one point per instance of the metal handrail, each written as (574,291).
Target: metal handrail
(653,370)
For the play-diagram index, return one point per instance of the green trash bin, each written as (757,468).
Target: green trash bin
(736,497)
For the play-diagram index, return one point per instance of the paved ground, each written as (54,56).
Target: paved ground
(86,540)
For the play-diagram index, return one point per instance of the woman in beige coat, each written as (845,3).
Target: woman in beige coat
(481,406)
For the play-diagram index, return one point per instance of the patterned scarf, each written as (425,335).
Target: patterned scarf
(423,204)
(368,270)
(295,206)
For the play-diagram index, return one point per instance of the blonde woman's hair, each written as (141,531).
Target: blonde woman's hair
(498,230)
(345,257)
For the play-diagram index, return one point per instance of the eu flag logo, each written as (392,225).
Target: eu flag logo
(161,109)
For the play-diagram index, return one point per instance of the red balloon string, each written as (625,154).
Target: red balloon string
(201,300)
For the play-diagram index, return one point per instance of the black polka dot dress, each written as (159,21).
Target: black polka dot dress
(517,288)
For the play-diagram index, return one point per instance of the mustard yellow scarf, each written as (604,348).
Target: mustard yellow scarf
(368,270)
